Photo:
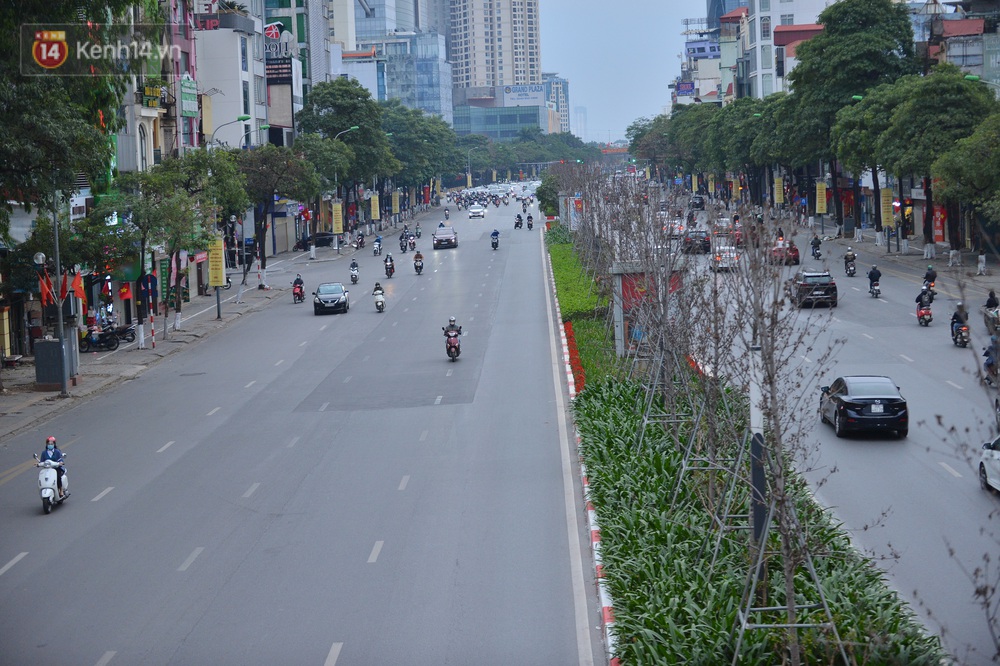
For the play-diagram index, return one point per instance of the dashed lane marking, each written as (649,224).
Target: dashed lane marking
(191,558)
(250,384)
(165,447)
(951,470)
(15,560)
(250,492)
(103,493)
(437,400)
(403,482)
(376,549)
(213,411)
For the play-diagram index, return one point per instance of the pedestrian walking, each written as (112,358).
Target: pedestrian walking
(954,258)
(981,263)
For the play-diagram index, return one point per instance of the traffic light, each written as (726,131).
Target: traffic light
(579,161)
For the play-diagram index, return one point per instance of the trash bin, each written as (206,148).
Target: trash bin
(50,370)
(848,225)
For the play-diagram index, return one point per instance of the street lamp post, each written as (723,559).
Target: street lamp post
(468,165)
(239,119)
(312,246)
(259,129)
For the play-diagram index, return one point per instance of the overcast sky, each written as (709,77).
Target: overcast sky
(618,56)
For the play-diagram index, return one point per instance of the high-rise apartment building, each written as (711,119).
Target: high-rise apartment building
(557,94)
(495,43)
(718,8)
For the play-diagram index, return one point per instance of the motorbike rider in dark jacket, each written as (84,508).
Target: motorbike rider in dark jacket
(930,276)
(924,298)
(959,318)
(874,275)
(849,256)
(452,327)
(992,301)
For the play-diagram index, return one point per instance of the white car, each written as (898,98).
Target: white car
(477,211)
(725,258)
(989,465)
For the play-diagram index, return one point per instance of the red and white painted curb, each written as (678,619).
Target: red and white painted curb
(604,596)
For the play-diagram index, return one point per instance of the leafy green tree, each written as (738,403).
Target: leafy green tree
(970,170)
(330,158)
(864,43)
(936,111)
(686,132)
(420,142)
(548,193)
(271,170)
(337,105)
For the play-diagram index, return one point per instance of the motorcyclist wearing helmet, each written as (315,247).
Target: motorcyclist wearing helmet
(495,235)
(925,297)
(930,275)
(378,289)
(959,318)
(849,257)
(388,261)
(354,264)
(992,302)
(298,282)
(52,453)
(874,275)
(452,327)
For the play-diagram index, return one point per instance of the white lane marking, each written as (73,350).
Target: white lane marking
(805,358)
(402,484)
(249,492)
(365,359)
(906,358)
(868,336)
(323,407)
(103,493)
(292,443)
(471,318)
(347,379)
(406,309)
(303,343)
(584,652)
(479,295)
(376,549)
(17,558)
(952,384)
(951,470)
(280,361)
(423,436)
(437,400)
(165,447)
(448,374)
(394,323)
(835,319)
(250,384)
(331,657)
(382,339)
(323,327)
(414,298)
(476,305)
(191,558)
(213,411)
(106,658)
(855,289)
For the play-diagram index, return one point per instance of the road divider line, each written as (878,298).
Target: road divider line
(191,558)
(406,309)
(376,549)
(471,318)
(303,343)
(448,374)
(213,411)
(165,447)
(855,289)
(952,384)
(951,470)
(323,407)
(382,339)
(906,358)
(423,436)
(250,384)
(103,493)
(805,358)
(868,336)
(347,379)
(437,400)
(250,492)
(402,484)
(394,323)
(280,361)
(333,654)
(106,658)
(15,560)
(292,443)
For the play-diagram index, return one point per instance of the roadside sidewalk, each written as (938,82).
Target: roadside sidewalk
(23,407)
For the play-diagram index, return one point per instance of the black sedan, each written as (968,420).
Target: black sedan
(331,297)
(321,239)
(697,240)
(864,402)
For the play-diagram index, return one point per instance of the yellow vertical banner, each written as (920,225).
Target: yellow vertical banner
(494,176)
(885,196)
(468,180)
(508,175)
(647,173)
(439,188)
(395,203)
(216,263)
(711,182)
(376,212)
(779,190)
(338,218)
(821,198)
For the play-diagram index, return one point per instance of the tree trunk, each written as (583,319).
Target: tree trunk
(838,206)
(929,215)
(878,200)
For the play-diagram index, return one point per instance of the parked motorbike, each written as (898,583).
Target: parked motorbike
(850,269)
(377,248)
(354,276)
(875,291)
(48,482)
(924,317)
(960,335)
(453,345)
(389,270)
(418,266)
(103,339)
(379,301)
(298,293)
(361,241)
(125,332)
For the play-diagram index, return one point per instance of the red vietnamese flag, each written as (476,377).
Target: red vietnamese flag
(45,290)
(79,291)
(63,288)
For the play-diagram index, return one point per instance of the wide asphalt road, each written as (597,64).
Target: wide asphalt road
(321,490)
(914,505)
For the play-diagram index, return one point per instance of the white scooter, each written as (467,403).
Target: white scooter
(48,483)
(354,276)
(379,301)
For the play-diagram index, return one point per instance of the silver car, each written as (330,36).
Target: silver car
(477,211)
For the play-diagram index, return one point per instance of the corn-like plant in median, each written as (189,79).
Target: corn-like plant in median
(668,609)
